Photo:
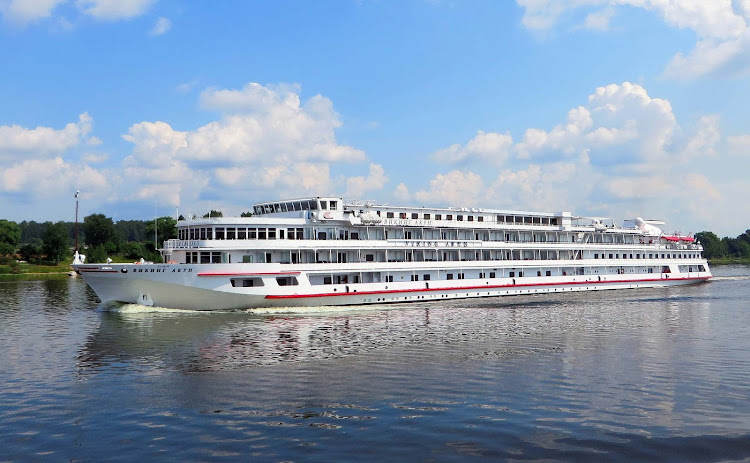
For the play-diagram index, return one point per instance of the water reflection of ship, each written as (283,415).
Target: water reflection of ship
(216,341)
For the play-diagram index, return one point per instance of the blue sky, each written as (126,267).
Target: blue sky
(616,108)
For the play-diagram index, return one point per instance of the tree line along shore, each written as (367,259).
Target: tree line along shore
(31,247)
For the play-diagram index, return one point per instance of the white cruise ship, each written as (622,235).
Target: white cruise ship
(322,251)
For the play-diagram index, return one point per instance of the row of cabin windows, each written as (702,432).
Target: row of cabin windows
(203,257)
(215,257)
(415,216)
(242,233)
(255,282)
(235,233)
(346,279)
(508,219)
(650,256)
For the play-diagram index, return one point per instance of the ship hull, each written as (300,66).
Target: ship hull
(209,287)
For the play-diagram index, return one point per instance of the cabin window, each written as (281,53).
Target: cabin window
(427,216)
(402,215)
(252,233)
(246,282)
(326,280)
(414,215)
(520,274)
(438,217)
(460,276)
(480,219)
(470,218)
(449,276)
(354,235)
(369,257)
(324,205)
(281,234)
(426,276)
(539,273)
(389,215)
(219,233)
(415,278)
(271,233)
(449,217)
(247,259)
(512,274)
(548,273)
(492,274)
(290,234)
(460,218)
(261,233)
(389,279)
(287,281)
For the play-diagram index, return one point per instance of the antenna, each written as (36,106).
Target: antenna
(77,193)
(156,242)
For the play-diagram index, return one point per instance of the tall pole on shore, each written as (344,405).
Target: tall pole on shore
(77,192)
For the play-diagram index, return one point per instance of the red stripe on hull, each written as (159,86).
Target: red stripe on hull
(231,274)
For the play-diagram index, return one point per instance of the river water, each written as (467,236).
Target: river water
(631,375)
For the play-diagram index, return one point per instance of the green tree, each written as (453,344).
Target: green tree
(713,246)
(97,254)
(55,242)
(6,250)
(29,252)
(246,214)
(166,229)
(10,234)
(133,250)
(98,229)
(213,213)
(132,230)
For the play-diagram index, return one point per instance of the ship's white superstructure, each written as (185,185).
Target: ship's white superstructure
(321,251)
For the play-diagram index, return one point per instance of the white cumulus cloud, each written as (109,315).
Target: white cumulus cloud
(265,138)
(43,141)
(162,26)
(722,27)
(114,9)
(455,188)
(356,187)
(492,147)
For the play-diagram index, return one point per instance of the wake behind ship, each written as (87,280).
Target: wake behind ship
(322,251)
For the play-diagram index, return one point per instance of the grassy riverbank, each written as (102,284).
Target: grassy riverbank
(729,261)
(22,271)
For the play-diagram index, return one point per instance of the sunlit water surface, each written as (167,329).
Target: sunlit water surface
(632,375)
